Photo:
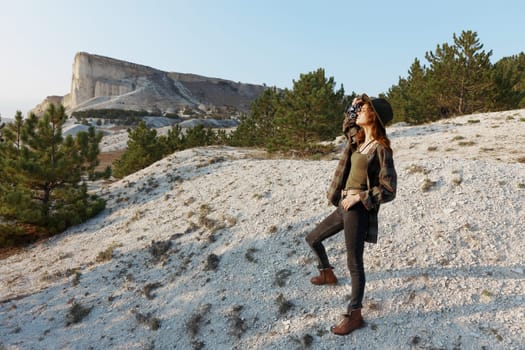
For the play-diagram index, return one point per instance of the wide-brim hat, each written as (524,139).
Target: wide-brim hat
(382,108)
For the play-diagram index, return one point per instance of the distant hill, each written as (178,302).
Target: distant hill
(100,82)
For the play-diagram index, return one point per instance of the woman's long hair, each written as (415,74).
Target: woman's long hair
(378,131)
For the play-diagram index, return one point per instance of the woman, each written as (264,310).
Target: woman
(365,177)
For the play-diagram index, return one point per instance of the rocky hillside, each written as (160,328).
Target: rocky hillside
(205,250)
(100,82)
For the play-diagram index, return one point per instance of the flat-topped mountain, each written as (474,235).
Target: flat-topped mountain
(100,82)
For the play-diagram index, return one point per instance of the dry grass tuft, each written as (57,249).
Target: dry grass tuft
(107,255)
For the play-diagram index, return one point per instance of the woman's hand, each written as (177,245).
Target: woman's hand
(349,201)
(356,100)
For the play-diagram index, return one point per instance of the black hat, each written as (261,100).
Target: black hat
(381,107)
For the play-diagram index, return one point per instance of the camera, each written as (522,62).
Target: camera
(353,110)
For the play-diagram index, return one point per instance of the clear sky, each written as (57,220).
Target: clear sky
(365,45)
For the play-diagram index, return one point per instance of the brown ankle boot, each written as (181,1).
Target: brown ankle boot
(326,276)
(349,323)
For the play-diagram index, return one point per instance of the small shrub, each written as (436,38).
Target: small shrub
(249,255)
(457,138)
(432,148)
(486,293)
(237,324)
(136,216)
(456,180)
(105,255)
(76,279)
(194,323)
(148,288)
(158,249)
(427,185)
(281,276)
(412,169)
(148,320)
(495,332)
(521,160)
(212,262)
(473,121)
(77,313)
(284,305)
(466,143)
(307,341)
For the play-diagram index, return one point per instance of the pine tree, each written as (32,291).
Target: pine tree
(257,128)
(144,148)
(312,111)
(174,141)
(443,80)
(419,107)
(42,173)
(509,78)
(459,75)
(199,136)
(475,88)
(410,98)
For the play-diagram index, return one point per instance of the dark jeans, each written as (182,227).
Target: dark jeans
(355,224)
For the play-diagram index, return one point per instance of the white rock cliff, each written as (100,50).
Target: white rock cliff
(101,82)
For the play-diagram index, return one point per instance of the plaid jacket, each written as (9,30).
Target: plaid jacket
(382,183)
